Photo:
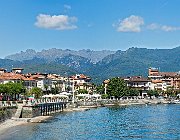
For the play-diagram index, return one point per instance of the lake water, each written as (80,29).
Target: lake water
(159,122)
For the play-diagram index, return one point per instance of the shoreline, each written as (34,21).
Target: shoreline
(13,122)
(10,123)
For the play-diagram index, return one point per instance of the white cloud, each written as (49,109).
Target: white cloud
(166,28)
(130,24)
(58,22)
(153,26)
(169,28)
(67,7)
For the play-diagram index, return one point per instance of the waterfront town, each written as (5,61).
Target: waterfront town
(32,97)
(35,97)
(80,83)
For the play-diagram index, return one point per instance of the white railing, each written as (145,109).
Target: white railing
(42,101)
(31,102)
(8,103)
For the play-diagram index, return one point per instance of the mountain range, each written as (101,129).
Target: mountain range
(52,54)
(99,65)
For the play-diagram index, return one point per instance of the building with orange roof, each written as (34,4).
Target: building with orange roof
(58,82)
(163,80)
(17,78)
(80,81)
(42,81)
(139,83)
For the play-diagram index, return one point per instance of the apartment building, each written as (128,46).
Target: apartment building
(163,80)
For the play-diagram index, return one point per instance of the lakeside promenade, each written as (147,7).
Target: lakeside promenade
(83,106)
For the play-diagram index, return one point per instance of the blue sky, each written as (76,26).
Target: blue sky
(88,24)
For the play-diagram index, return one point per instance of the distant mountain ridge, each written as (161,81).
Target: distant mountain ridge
(52,54)
(134,61)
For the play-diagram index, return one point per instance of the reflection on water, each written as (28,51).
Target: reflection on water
(127,122)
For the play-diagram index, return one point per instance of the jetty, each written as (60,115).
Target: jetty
(34,108)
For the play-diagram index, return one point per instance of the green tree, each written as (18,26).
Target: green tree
(133,92)
(117,87)
(104,96)
(82,91)
(37,92)
(54,90)
(100,89)
(152,93)
(12,90)
(171,92)
(3,88)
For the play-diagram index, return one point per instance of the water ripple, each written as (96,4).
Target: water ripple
(160,122)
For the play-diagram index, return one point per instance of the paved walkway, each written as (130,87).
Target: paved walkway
(18,111)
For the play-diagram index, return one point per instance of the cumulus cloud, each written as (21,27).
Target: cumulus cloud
(58,22)
(155,26)
(130,24)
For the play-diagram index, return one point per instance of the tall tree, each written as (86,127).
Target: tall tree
(117,87)
(133,92)
(152,93)
(12,90)
(100,89)
(82,91)
(37,92)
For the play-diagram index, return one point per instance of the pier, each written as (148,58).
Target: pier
(49,108)
(42,107)
(34,108)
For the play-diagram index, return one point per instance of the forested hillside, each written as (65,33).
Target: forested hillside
(134,61)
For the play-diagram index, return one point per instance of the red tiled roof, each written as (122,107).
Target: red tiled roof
(15,76)
(11,76)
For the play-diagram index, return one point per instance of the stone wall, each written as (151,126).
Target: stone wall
(105,102)
(7,112)
(30,111)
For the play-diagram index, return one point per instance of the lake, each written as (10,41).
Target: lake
(159,122)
